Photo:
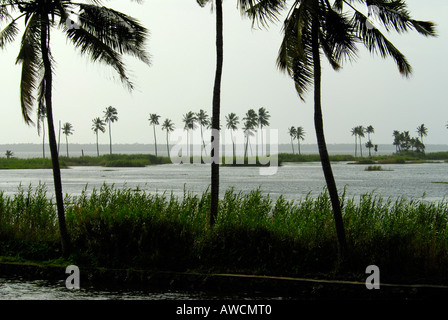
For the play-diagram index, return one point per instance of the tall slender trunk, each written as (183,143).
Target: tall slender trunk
(110,138)
(292,145)
(66,143)
(43,139)
(97,148)
(45,37)
(356,146)
(155,138)
(216,114)
(324,158)
(167,144)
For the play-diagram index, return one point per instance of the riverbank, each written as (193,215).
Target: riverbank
(253,235)
(142,160)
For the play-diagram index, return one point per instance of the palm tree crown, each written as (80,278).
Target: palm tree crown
(168,125)
(67,129)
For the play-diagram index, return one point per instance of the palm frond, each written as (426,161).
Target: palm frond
(262,12)
(9,33)
(295,54)
(377,43)
(117,30)
(98,51)
(30,58)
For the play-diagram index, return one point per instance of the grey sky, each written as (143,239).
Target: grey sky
(182,45)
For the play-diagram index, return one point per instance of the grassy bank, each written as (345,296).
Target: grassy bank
(114,160)
(396,158)
(253,233)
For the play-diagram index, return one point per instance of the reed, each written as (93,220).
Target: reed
(253,233)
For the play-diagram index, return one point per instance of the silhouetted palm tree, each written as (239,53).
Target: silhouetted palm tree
(292,131)
(189,121)
(300,135)
(360,132)
(98,125)
(67,129)
(263,121)
(9,154)
(154,120)
(259,11)
(101,33)
(422,131)
(203,119)
(169,127)
(314,26)
(354,132)
(231,123)
(110,116)
(251,122)
(369,130)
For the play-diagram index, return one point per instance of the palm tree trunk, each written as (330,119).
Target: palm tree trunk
(65,238)
(97,148)
(216,114)
(155,138)
(66,143)
(325,160)
(292,145)
(167,144)
(110,138)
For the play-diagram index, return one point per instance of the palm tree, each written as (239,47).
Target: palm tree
(369,145)
(189,121)
(263,121)
(231,123)
(203,119)
(154,120)
(422,131)
(251,122)
(314,26)
(110,116)
(260,11)
(168,125)
(67,129)
(397,142)
(9,154)
(369,130)
(98,124)
(300,135)
(354,132)
(292,131)
(101,33)
(360,132)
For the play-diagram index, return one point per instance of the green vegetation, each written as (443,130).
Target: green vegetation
(374,168)
(252,233)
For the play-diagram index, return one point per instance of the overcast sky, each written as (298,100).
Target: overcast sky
(180,79)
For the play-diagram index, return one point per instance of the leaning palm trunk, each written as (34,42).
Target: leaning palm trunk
(64,236)
(324,158)
(216,114)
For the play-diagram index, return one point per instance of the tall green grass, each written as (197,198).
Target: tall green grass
(253,233)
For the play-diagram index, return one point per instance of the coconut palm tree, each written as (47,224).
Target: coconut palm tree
(300,135)
(110,116)
(314,26)
(354,132)
(154,120)
(250,125)
(292,131)
(232,122)
(168,125)
(248,130)
(263,121)
(260,11)
(422,131)
(360,130)
(203,119)
(101,33)
(397,142)
(189,121)
(9,154)
(98,124)
(67,129)
(370,130)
